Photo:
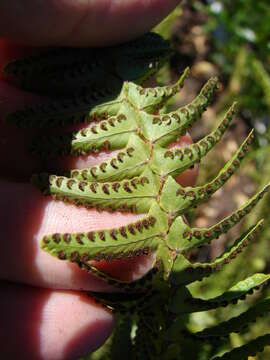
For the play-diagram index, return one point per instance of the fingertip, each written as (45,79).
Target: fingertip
(73,326)
(58,325)
(122,21)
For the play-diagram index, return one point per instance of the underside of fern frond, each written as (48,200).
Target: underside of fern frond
(139,177)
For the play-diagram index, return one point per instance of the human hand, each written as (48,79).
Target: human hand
(40,301)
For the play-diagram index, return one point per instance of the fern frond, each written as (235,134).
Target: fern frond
(140,176)
(250,349)
(242,321)
(232,296)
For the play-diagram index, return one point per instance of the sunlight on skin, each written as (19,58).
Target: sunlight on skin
(60,217)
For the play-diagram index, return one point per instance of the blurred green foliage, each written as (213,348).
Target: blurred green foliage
(237,23)
(238,33)
(240,29)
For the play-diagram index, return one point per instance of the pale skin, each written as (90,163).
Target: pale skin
(43,315)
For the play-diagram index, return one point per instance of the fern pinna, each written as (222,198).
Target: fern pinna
(139,178)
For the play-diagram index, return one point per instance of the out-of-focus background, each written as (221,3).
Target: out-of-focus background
(230,39)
